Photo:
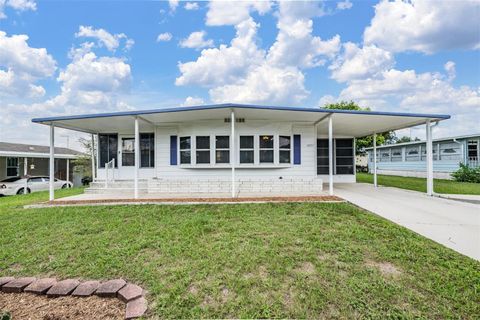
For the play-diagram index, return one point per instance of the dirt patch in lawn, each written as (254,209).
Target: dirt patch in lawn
(385,268)
(35,307)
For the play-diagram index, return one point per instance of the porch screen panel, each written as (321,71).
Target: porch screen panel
(344,156)
(147,150)
(322,156)
(108,146)
(12,167)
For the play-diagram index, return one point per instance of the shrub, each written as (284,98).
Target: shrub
(467,174)
(5,315)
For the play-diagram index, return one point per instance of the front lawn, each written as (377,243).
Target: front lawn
(420,184)
(297,260)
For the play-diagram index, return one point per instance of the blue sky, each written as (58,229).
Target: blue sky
(86,56)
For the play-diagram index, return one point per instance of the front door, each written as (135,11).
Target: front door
(128,152)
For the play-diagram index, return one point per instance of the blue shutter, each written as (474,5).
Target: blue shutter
(297,150)
(173,150)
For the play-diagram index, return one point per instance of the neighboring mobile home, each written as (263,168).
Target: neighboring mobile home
(409,159)
(229,149)
(27,159)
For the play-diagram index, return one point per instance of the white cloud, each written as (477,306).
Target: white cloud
(193,101)
(360,63)
(173,4)
(425,26)
(95,74)
(224,12)
(19,5)
(165,37)
(191,6)
(23,66)
(295,45)
(196,40)
(225,64)
(243,72)
(450,69)
(344,5)
(105,38)
(264,83)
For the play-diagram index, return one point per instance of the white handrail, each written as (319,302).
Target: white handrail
(107,167)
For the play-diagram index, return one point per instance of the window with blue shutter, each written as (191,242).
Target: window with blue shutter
(297,150)
(173,150)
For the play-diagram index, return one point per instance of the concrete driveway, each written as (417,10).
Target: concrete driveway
(452,223)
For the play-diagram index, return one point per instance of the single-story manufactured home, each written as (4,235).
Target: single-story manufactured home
(33,160)
(229,149)
(409,159)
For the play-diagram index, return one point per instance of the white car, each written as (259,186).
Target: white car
(16,185)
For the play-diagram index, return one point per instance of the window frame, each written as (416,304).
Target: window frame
(260,149)
(289,149)
(17,167)
(204,150)
(222,149)
(180,150)
(252,149)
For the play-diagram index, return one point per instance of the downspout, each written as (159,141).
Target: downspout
(462,148)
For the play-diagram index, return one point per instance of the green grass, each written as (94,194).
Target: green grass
(297,260)
(420,184)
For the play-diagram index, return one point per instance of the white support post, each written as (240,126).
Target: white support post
(52,162)
(375,184)
(429,159)
(25,173)
(330,155)
(137,157)
(68,171)
(233,151)
(93,158)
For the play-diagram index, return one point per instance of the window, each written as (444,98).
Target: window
(35,179)
(396,155)
(384,156)
(266,149)
(344,156)
(450,151)
(222,149)
(246,149)
(12,167)
(472,150)
(147,150)
(203,149)
(284,149)
(185,150)
(107,149)
(412,153)
(128,152)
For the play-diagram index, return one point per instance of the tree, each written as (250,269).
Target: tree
(406,139)
(365,142)
(84,161)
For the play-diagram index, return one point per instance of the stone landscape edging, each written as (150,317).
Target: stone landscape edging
(132,295)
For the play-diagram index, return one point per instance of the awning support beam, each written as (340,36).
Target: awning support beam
(52,162)
(375,184)
(330,155)
(93,158)
(137,157)
(429,159)
(232,148)
(25,173)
